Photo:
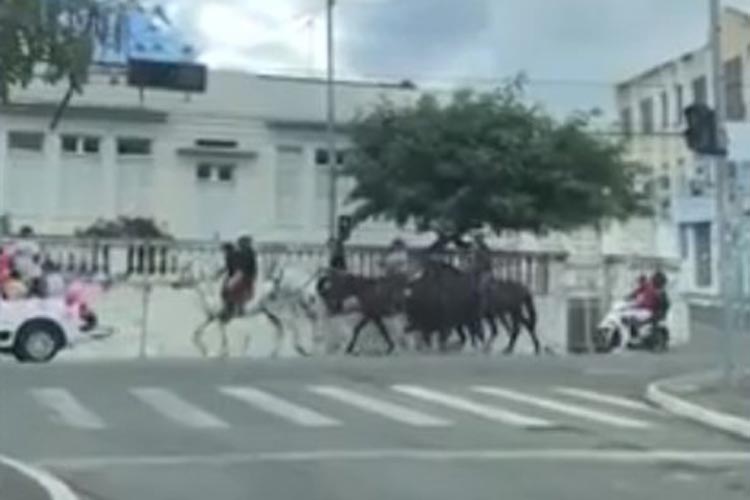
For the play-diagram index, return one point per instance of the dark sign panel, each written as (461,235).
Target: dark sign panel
(182,76)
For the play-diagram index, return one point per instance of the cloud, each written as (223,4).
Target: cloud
(574,50)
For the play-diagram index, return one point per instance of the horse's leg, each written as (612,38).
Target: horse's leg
(514,331)
(224,351)
(443,335)
(279,330)
(355,334)
(198,336)
(384,333)
(490,319)
(462,336)
(294,327)
(534,337)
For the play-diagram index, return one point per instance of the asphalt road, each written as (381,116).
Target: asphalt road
(399,428)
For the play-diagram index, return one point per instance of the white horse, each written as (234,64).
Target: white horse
(282,298)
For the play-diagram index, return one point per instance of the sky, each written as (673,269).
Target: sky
(573,51)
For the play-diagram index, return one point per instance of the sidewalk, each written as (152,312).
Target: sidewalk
(21,482)
(705,396)
(708,399)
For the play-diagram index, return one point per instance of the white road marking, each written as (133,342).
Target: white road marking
(383,408)
(618,457)
(279,407)
(490,412)
(176,409)
(67,409)
(56,489)
(557,406)
(609,399)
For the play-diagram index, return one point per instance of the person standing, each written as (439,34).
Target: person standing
(396,260)
(336,254)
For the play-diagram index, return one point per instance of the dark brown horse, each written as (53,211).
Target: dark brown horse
(442,300)
(377,299)
(512,304)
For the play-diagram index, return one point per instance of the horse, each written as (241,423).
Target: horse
(377,299)
(441,300)
(511,303)
(285,291)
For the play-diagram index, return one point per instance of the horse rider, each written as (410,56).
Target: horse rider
(481,264)
(241,272)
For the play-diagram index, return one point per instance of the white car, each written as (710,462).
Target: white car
(35,330)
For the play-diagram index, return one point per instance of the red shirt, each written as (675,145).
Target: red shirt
(648,298)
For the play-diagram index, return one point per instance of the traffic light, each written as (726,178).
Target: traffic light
(702,134)
(345,225)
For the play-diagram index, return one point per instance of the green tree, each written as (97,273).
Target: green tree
(486,160)
(55,40)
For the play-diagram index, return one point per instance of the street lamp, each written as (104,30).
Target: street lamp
(331,122)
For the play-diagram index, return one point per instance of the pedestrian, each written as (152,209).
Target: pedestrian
(396,260)
(336,254)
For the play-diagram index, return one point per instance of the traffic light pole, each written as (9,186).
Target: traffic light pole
(723,213)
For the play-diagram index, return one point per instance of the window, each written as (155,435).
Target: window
(226,173)
(664,110)
(25,141)
(90,145)
(133,146)
(700,90)
(680,106)
(647,116)
(76,144)
(203,172)
(69,143)
(684,240)
(735,105)
(321,156)
(626,121)
(214,172)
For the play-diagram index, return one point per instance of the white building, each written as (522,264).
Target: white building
(651,107)
(248,156)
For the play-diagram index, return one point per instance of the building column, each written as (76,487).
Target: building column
(109,165)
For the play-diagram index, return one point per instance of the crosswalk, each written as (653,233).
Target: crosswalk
(339,406)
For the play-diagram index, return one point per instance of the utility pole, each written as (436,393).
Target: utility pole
(723,212)
(331,123)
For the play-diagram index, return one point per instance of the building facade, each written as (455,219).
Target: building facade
(651,109)
(248,156)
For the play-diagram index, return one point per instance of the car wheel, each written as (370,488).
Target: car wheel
(38,341)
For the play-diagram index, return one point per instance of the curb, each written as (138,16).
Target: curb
(658,395)
(56,489)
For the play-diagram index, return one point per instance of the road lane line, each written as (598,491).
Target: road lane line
(279,407)
(55,488)
(176,409)
(555,455)
(490,412)
(559,407)
(383,408)
(599,397)
(67,409)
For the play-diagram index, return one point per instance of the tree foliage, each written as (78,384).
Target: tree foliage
(55,39)
(486,160)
